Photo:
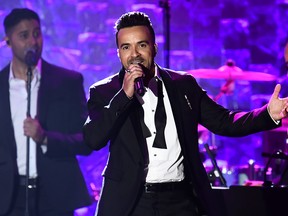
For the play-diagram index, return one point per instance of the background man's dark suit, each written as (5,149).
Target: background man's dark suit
(61,110)
(118,117)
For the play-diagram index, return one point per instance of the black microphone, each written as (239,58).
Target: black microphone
(30,57)
(139,84)
(215,165)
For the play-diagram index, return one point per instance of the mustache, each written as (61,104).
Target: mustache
(136,61)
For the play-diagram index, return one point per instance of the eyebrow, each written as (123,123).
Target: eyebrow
(143,41)
(124,44)
(22,32)
(27,30)
(139,42)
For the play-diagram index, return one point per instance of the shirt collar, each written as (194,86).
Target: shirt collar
(157,74)
(152,85)
(36,71)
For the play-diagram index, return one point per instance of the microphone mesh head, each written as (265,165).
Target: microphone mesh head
(30,57)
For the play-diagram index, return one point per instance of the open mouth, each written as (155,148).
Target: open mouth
(137,61)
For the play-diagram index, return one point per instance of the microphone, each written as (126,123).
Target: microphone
(215,165)
(30,57)
(139,85)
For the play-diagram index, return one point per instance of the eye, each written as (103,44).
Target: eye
(37,34)
(125,47)
(143,45)
(24,35)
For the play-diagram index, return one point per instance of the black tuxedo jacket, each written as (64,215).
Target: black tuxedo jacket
(61,110)
(116,119)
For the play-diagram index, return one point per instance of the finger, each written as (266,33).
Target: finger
(136,74)
(134,67)
(276,92)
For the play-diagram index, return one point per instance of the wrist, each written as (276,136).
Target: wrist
(276,121)
(129,97)
(43,138)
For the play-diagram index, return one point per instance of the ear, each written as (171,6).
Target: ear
(155,49)
(118,53)
(7,40)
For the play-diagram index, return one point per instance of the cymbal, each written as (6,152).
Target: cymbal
(228,72)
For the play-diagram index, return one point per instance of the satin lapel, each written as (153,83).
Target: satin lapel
(135,118)
(45,86)
(172,91)
(6,124)
(174,98)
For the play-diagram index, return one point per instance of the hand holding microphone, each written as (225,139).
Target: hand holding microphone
(139,85)
(135,70)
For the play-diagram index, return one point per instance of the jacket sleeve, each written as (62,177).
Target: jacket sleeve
(221,120)
(225,122)
(108,108)
(65,116)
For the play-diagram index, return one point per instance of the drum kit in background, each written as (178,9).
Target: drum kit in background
(231,72)
(219,171)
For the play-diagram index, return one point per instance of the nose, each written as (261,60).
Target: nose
(32,41)
(135,52)
(34,38)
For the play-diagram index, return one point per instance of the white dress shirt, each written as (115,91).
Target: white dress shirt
(18,104)
(165,165)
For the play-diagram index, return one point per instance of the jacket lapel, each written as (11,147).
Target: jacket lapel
(137,142)
(172,91)
(6,124)
(45,87)
(175,101)
(137,120)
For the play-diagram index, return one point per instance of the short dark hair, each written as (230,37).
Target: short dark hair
(17,15)
(134,18)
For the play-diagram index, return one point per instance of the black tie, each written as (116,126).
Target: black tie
(160,119)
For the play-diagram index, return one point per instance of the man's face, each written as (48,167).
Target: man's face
(136,44)
(25,35)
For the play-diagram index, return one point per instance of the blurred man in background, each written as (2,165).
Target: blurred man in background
(53,185)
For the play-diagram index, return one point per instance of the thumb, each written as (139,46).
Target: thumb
(276,92)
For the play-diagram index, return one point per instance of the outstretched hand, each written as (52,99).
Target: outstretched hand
(278,107)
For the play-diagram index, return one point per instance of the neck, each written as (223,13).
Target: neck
(20,70)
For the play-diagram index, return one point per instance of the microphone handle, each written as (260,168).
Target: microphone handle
(139,86)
